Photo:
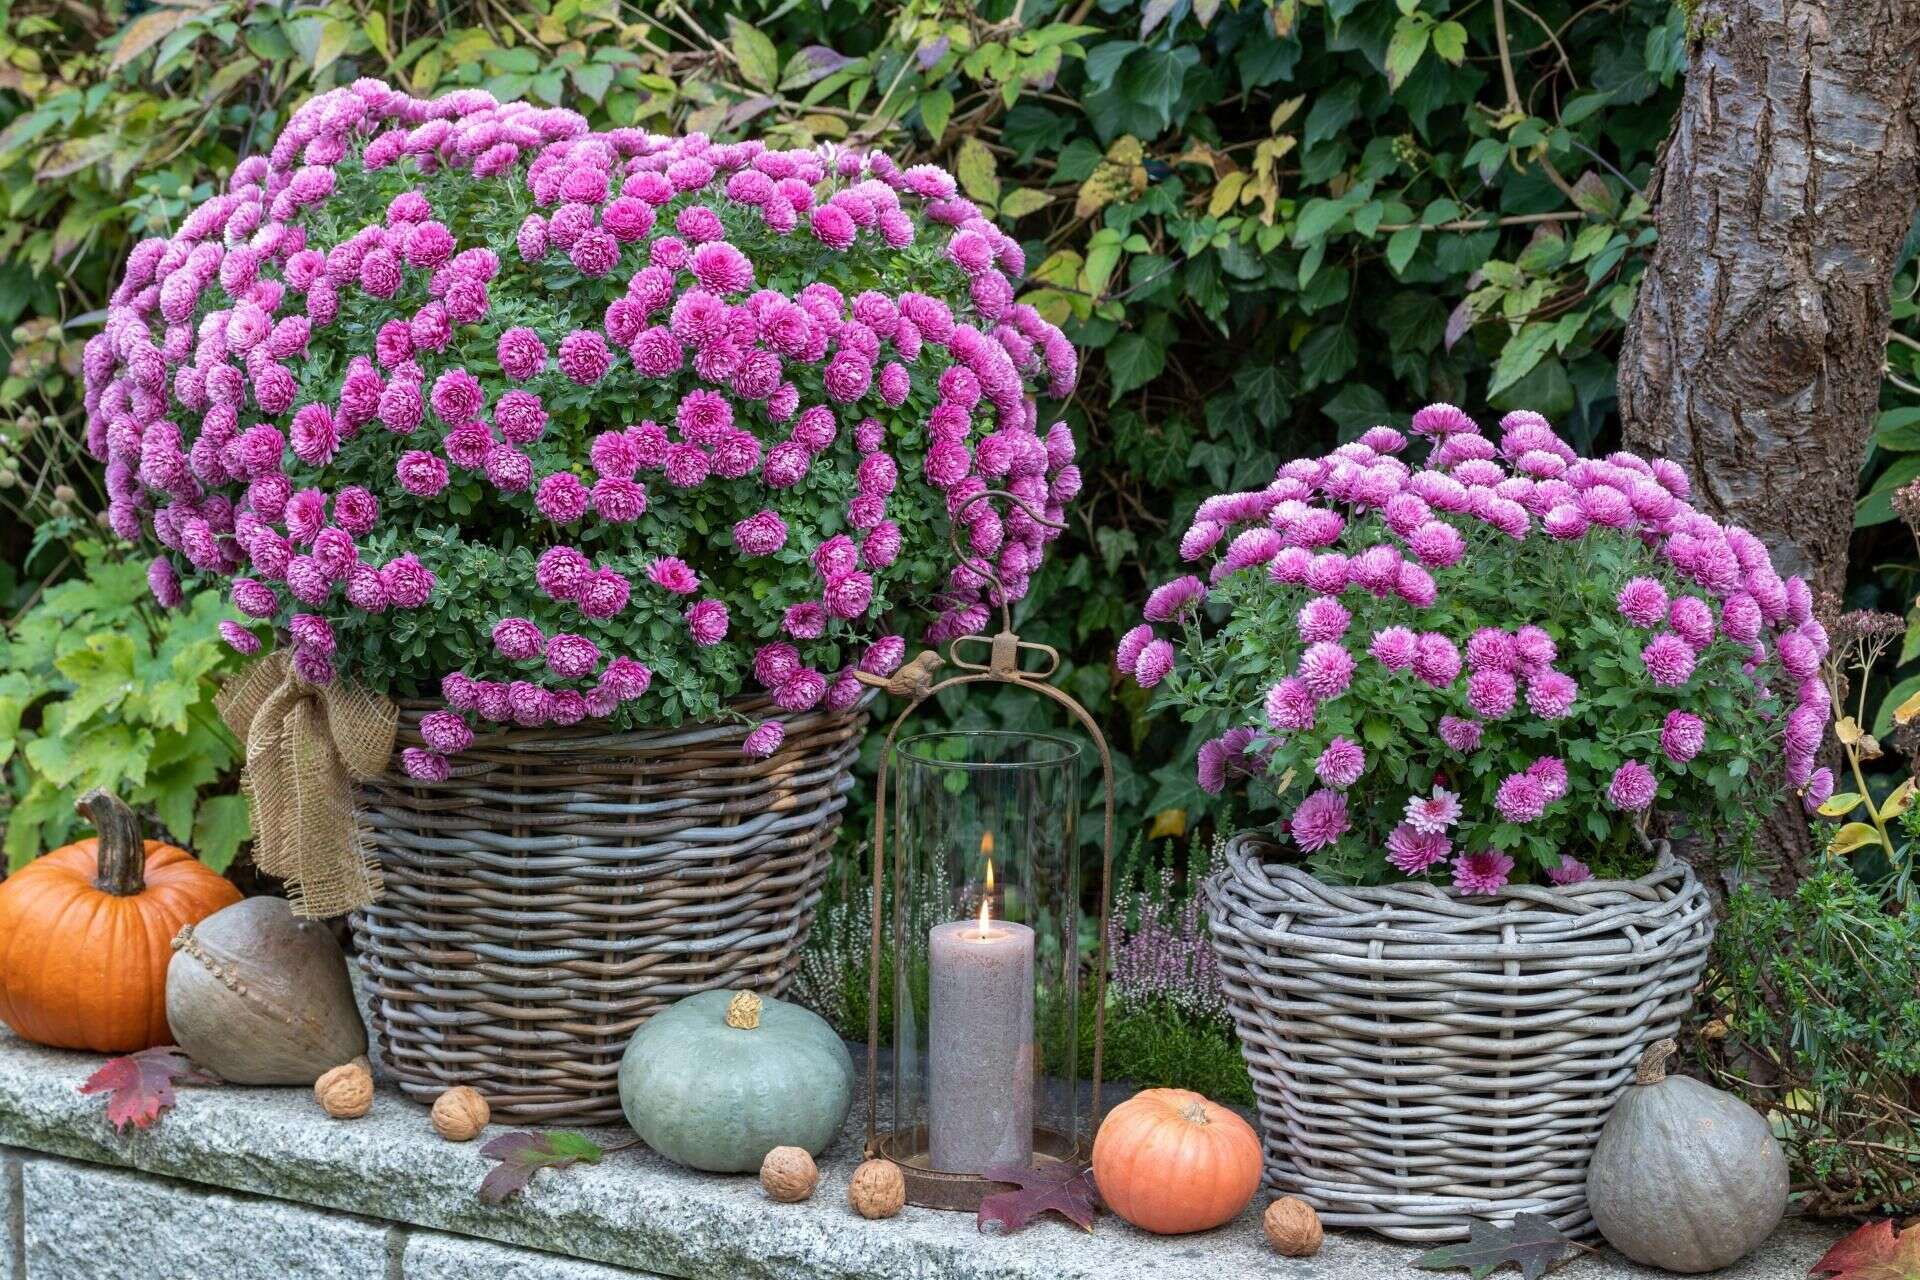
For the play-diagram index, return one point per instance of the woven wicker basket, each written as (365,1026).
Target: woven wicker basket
(1422,1059)
(564,885)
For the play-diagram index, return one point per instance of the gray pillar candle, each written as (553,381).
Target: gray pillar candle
(980,1046)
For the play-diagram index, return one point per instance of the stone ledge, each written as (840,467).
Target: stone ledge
(639,1212)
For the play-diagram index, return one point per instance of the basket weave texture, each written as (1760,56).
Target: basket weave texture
(1423,1058)
(564,885)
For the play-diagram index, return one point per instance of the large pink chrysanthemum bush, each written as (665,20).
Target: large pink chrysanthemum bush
(1477,660)
(466,400)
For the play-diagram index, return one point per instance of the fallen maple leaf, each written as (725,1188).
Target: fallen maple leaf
(1064,1188)
(1532,1244)
(522,1154)
(1873,1252)
(139,1086)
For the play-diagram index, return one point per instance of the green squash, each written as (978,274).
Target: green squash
(721,1078)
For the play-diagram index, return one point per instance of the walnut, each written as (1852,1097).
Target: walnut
(346,1092)
(788,1174)
(460,1114)
(877,1189)
(1293,1228)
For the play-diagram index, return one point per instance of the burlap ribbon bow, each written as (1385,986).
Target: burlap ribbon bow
(307,745)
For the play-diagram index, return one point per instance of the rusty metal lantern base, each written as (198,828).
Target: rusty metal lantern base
(929,1188)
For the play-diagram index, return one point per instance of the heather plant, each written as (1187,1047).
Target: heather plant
(1158,948)
(462,396)
(1494,665)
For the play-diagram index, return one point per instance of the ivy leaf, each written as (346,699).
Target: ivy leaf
(1063,1188)
(936,108)
(1133,361)
(522,1154)
(1404,51)
(975,168)
(139,1086)
(1531,1244)
(1873,1252)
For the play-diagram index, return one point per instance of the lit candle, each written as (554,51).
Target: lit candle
(980,1041)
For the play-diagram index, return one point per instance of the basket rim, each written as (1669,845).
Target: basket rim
(598,736)
(1670,880)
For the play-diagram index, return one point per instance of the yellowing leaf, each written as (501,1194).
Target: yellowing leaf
(1018,204)
(1855,835)
(1908,709)
(1168,824)
(1122,173)
(145,31)
(759,60)
(1226,194)
(976,169)
(1841,805)
(1899,802)
(1848,730)
(1285,112)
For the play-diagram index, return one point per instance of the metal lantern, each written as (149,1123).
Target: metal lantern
(977,945)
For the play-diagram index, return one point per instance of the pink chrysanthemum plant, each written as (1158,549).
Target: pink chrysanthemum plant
(460,398)
(1478,661)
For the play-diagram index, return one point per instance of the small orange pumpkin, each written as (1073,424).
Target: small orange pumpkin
(1169,1161)
(87,930)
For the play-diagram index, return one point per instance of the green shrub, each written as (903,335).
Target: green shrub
(1818,997)
(99,688)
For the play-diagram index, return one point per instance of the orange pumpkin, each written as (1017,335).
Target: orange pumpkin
(86,933)
(1169,1161)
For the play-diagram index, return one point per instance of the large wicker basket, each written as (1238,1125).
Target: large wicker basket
(1421,1058)
(563,885)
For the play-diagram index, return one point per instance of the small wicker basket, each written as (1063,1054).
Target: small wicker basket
(563,885)
(1423,1058)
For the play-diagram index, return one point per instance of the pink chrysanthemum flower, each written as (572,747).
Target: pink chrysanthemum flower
(1411,850)
(1520,798)
(423,765)
(1633,787)
(517,639)
(1460,735)
(1433,814)
(1643,602)
(1570,871)
(445,732)
(1669,660)
(1550,694)
(1322,618)
(1320,820)
(764,740)
(1290,706)
(1436,660)
(675,574)
(1551,773)
(1682,735)
(1341,764)
(1326,668)
(1481,873)
(1171,600)
(1153,664)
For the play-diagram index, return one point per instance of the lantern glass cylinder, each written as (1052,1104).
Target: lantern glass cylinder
(985,949)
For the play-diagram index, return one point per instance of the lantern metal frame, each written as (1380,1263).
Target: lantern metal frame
(907,1147)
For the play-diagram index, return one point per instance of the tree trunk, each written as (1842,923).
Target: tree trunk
(1755,352)
(1756,348)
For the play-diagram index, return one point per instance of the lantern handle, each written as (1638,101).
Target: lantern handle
(979,565)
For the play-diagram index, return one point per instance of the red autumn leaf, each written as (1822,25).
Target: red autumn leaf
(1874,1252)
(1066,1189)
(139,1086)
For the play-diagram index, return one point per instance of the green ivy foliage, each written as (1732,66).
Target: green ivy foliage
(99,688)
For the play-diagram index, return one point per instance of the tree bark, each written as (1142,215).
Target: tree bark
(1757,344)
(1755,352)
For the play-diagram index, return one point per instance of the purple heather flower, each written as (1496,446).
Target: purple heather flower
(1341,764)
(1412,851)
(1320,820)
(1484,872)
(1633,787)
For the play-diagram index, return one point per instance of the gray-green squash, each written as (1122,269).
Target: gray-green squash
(721,1078)
(1685,1177)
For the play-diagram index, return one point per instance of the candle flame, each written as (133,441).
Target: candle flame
(986,846)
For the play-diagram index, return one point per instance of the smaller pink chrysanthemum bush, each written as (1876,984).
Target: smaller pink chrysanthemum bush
(460,398)
(1478,660)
